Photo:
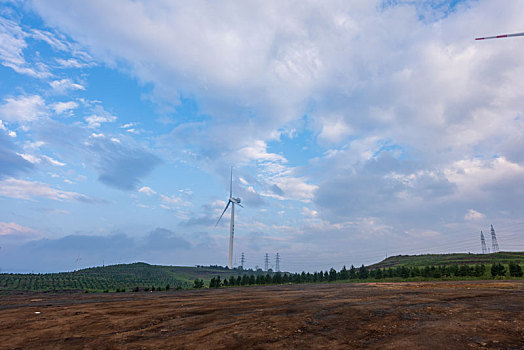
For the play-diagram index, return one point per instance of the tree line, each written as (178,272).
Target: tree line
(363,273)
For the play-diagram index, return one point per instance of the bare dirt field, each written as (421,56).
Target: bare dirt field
(427,315)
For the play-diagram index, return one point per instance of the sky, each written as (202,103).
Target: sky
(356,130)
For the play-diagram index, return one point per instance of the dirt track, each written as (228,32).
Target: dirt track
(441,315)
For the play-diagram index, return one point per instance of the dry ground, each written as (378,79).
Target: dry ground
(428,315)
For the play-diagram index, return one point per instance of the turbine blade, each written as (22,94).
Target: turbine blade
(231,184)
(227,205)
(500,36)
(240,205)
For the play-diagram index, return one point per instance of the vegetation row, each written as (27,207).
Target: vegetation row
(144,277)
(363,274)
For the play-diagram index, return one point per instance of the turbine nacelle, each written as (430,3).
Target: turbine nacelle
(235,200)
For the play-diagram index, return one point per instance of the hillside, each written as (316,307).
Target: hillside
(449,259)
(122,276)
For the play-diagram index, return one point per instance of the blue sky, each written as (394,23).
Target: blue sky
(356,130)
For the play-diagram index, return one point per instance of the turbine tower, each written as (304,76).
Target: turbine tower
(494,240)
(232,200)
(483,243)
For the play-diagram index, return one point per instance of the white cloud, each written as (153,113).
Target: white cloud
(101,116)
(257,151)
(73,63)
(147,191)
(22,189)
(12,45)
(23,109)
(53,161)
(334,130)
(309,213)
(50,39)
(476,178)
(38,159)
(64,107)
(473,215)
(171,202)
(94,121)
(65,85)
(354,68)
(295,188)
(10,133)
(30,158)
(11,228)
(33,145)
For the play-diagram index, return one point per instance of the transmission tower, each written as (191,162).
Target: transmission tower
(277,263)
(494,240)
(242,260)
(483,243)
(266,262)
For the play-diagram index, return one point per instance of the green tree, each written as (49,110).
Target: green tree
(245,280)
(198,283)
(352,272)
(344,274)
(332,275)
(303,277)
(277,278)
(404,272)
(318,276)
(363,272)
(515,270)
(232,280)
(498,270)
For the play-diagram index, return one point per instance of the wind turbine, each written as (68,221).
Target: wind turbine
(232,200)
(77,261)
(500,36)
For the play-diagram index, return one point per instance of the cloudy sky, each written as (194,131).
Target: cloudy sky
(356,129)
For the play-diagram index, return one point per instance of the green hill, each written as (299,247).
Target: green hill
(449,259)
(122,276)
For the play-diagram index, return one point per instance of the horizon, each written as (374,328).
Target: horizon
(270,270)
(355,131)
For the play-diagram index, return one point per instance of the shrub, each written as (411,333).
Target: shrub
(515,270)
(498,270)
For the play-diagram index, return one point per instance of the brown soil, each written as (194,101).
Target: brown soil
(429,315)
